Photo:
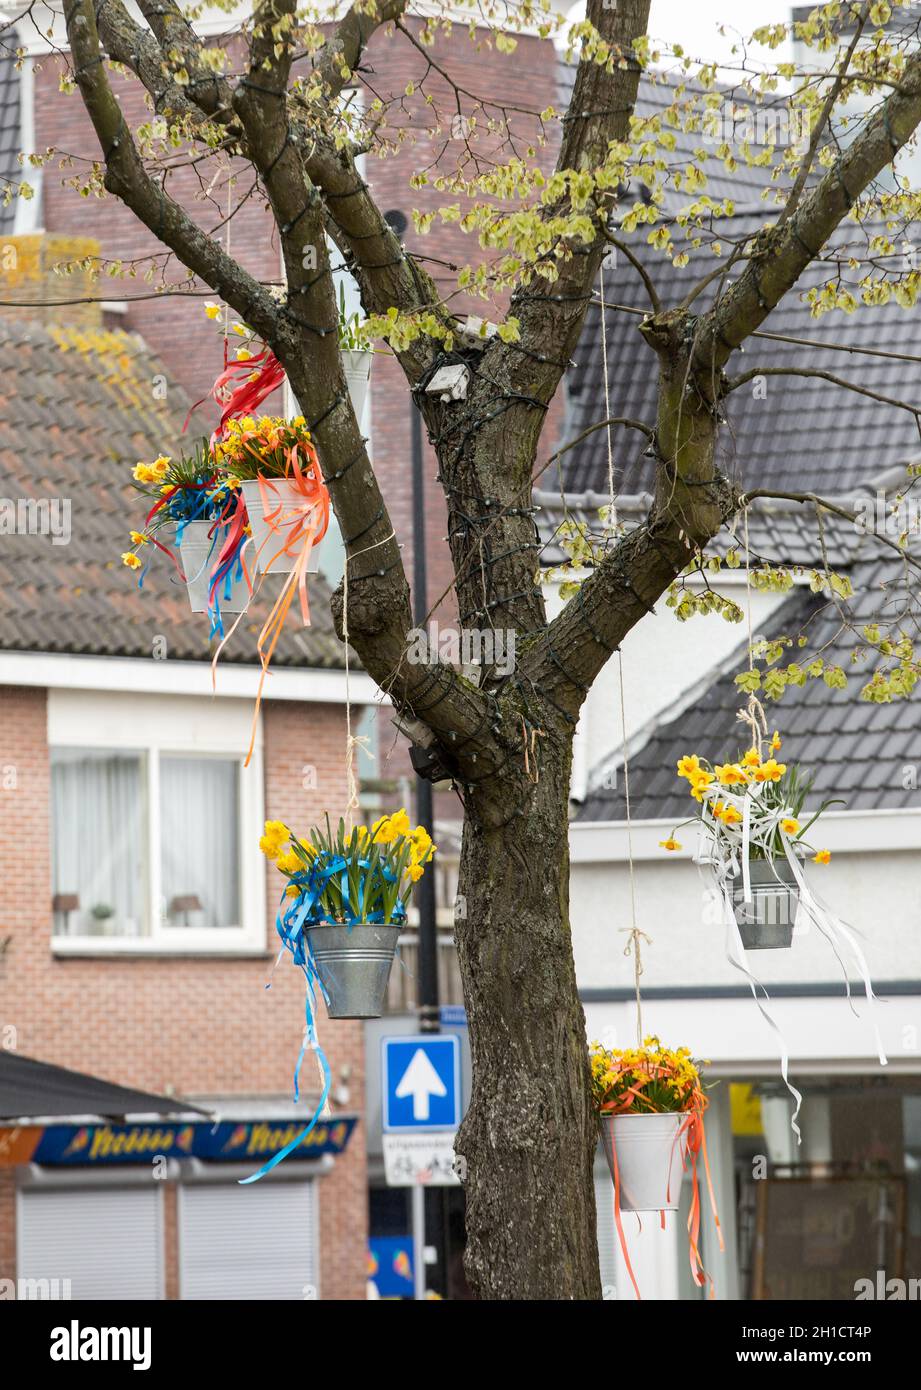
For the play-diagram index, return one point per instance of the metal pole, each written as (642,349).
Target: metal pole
(418,1216)
(430,1200)
(425,893)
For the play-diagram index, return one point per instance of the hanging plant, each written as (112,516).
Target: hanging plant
(201,512)
(346,902)
(753,842)
(650,1102)
(753,837)
(275,464)
(356,356)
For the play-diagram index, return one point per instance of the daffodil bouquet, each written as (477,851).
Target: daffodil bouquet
(647,1080)
(188,488)
(753,806)
(350,876)
(269,446)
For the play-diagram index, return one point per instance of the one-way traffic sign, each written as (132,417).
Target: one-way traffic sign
(421,1082)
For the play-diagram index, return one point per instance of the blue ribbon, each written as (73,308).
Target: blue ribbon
(300,912)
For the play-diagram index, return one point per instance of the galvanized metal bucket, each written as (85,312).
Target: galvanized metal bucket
(766,923)
(353,963)
(198,555)
(649,1154)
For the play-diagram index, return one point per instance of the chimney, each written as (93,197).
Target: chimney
(29,277)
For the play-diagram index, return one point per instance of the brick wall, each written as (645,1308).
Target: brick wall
(178,330)
(184,1026)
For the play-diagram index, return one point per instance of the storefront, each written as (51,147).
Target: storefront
(151,1207)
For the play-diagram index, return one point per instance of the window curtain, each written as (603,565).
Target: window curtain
(98,841)
(199,839)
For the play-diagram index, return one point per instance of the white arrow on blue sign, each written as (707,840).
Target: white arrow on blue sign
(421,1082)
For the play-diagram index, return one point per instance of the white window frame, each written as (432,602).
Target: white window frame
(184,725)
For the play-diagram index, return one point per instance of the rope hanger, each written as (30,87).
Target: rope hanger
(635,937)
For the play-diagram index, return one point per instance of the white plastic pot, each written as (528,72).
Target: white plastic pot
(357,367)
(649,1155)
(199,555)
(286,508)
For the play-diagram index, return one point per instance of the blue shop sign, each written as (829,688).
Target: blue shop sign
(228,1141)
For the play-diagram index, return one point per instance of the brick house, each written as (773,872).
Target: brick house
(127,954)
(107,973)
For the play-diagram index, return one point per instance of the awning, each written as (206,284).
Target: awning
(33,1091)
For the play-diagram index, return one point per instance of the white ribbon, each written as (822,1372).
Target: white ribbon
(726,851)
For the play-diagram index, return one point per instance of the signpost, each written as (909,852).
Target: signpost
(421,1102)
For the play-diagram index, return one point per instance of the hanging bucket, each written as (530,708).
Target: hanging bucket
(766,923)
(199,554)
(649,1155)
(353,964)
(357,367)
(286,528)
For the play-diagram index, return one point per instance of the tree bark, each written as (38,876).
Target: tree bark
(528,1140)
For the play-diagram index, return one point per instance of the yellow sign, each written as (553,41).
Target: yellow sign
(746,1110)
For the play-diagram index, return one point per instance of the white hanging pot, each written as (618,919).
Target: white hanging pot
(649,1158)
(199,552)
(277,523)
(766,923)
(356,364)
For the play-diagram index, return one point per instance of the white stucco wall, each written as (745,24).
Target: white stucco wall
(663,660)
(876,893)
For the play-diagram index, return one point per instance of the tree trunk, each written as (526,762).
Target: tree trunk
(527,1143)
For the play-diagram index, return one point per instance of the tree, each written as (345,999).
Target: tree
(529,1137)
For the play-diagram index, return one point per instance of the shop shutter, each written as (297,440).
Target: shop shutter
(254,1242)
(608,1243)
(108,1241)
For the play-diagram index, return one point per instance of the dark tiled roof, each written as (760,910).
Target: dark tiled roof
(805,431)
(783,533)
(77,410)
(858,750)
(679,103)
(10,142)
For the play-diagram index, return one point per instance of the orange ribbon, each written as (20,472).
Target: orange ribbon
(312,520)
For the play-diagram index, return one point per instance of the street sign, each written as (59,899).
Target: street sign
(421,1082)
(420,1160)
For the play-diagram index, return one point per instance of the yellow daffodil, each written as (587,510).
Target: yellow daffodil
(823,856)
(790,825)
(699,784)
(289,862)
(752,758)
(770,771)
(731,775)
(142,473)
(689,767)
(138,538)
(731,816)
(415,872)
(212,311)
(400,823)
(133,561)
(776,742)
(670,844)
